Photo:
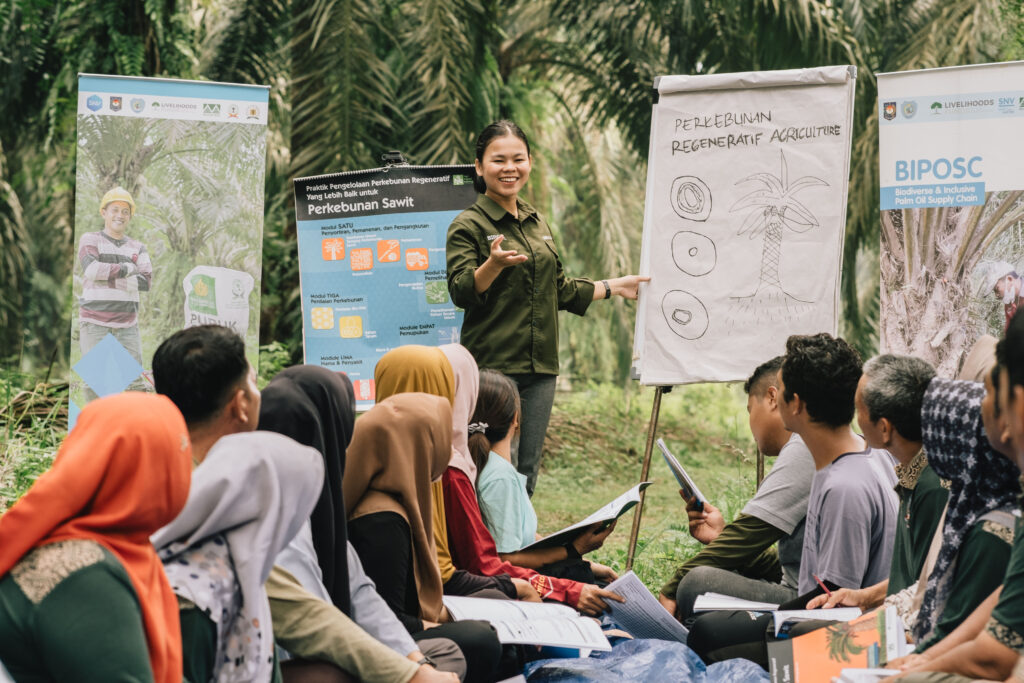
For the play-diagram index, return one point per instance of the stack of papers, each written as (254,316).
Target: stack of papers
(712,602)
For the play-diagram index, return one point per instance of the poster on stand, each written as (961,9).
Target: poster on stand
(168,222)
(744,219)
(951,174)
(372,264)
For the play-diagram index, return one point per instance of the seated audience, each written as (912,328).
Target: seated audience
(316,407)
(398,448)
(83,595)
(739,559)
(989,642)
(471,546)
(851,512)
(204,371)
(501,490)
(249,497)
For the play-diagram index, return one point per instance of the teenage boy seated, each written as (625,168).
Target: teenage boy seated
(988,643)
(851,511)
(888,401)
(738,558)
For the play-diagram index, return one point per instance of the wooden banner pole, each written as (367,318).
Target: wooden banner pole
(638,512)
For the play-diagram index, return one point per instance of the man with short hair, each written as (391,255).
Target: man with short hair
(205,372)
(889,398)
(738,558)
(115,268)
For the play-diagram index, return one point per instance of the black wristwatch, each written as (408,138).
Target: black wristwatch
(607,289)
(426,660)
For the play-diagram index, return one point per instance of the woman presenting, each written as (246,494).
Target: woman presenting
(504,270)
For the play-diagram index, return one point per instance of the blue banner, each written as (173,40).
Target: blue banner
(372,264)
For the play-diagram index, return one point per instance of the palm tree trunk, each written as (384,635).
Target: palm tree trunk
(771,254)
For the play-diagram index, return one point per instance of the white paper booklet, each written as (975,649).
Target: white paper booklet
(865,675)
(712,602)
(642,616)
(531,623)
(608,513)
(688,486)
(795,615)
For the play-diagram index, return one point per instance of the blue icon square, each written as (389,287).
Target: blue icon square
(108,368)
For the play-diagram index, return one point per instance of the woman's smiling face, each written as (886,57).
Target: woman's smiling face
(505,167)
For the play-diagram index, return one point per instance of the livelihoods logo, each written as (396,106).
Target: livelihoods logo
(936,107)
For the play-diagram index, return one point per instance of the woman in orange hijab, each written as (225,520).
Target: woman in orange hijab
(83,595)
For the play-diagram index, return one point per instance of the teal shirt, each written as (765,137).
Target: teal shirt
(505,505)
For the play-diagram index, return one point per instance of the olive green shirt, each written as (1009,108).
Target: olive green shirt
(1007,622)
(980,566)
(922,499)
(513,326)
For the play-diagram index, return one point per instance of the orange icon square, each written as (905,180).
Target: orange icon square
(364,389)
(388,251)
(362,259)
(416,259)
(333,248)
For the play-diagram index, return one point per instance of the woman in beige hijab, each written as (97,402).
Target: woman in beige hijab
(399,447)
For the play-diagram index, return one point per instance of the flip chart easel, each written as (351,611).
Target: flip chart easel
(744,218)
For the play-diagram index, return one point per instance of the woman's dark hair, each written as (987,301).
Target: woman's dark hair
(498,129)
(496,406)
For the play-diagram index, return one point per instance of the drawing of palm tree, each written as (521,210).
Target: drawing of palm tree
(840,642)
(771,208)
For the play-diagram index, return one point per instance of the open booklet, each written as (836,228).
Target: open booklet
(608,513)
(688,486)
(712,602)
(531,623)
(642,616)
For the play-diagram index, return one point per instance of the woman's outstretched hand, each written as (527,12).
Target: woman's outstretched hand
(627,286)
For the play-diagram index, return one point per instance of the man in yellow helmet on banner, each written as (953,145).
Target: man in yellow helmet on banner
(115,268)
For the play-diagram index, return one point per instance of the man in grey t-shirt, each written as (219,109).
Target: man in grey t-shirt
(851,520)
(738,559)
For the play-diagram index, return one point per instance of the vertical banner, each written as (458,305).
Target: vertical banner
(951,171)
(168,221)
(372,264)
(744,219)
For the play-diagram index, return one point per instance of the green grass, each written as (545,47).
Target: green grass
(593,453)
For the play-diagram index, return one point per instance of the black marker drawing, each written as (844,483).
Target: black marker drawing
(694,254)
(690,198)
(770,210)
(685,314)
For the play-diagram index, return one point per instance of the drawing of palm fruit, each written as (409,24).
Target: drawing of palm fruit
(771,209)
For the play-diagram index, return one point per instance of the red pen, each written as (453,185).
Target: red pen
(823,586)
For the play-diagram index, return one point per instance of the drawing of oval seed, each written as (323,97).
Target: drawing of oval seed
(690,198)
(693,253)
(685,314)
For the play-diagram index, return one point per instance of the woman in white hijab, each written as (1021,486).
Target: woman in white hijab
(248,499)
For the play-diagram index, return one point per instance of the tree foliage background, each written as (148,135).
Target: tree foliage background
(353,78)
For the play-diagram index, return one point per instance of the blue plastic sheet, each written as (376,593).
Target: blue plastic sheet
(644,660)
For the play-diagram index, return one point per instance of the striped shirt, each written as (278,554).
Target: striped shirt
(113,274)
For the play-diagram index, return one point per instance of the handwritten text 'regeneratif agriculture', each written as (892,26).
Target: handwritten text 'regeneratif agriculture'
(703,138)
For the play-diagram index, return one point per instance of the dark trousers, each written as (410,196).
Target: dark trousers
(536,396)
(479,644)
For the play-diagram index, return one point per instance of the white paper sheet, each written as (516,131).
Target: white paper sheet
(642,616)
(744,220)
(711,602)
(607,513)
